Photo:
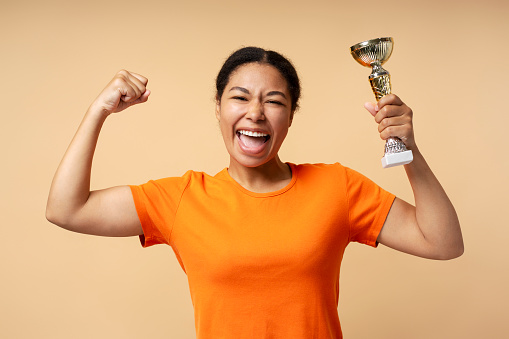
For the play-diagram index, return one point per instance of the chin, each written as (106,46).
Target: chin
(251,161)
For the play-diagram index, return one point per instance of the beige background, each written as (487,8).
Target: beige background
(449,65)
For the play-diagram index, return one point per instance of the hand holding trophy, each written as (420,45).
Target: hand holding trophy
(374,53)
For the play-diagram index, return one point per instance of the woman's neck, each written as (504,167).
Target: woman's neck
(269,177)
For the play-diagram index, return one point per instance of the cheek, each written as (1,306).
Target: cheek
(226,126)
(283,122)
(229,114)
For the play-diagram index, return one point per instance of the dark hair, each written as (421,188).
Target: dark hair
(259,55)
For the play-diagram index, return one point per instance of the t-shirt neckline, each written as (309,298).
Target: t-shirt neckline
(266,194)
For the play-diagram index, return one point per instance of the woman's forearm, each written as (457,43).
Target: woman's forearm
(70,188)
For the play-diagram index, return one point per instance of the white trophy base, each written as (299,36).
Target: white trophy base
(396,159)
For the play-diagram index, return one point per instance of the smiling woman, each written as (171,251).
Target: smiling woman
(254,113)
(261,241)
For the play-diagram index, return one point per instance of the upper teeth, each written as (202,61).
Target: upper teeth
(253,134)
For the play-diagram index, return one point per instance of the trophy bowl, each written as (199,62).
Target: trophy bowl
(374,51)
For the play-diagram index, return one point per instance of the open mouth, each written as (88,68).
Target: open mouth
(252,139)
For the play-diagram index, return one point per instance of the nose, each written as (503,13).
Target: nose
(255,111)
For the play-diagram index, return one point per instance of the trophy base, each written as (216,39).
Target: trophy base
(396,159)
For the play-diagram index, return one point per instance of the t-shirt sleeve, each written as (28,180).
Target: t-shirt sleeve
(369,205)
(157,202)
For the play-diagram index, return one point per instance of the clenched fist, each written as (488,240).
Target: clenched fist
(394,118)
(124,90)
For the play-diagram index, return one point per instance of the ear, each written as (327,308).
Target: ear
(291,118)
(218,109)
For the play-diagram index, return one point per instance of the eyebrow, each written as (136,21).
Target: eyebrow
(242,89)
(277,93)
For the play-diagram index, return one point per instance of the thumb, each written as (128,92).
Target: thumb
(371,107)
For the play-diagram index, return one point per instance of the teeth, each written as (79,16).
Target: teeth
(253,134)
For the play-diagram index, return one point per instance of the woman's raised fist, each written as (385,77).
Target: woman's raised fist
(124,90)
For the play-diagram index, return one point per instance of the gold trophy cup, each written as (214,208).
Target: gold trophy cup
(374,53)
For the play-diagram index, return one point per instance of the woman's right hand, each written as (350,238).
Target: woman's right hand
(124,90)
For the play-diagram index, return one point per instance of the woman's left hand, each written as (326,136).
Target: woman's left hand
(394,119)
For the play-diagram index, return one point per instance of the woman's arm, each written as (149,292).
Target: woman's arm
(71,205)
(431,229)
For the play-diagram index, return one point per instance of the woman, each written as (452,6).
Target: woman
(261,241)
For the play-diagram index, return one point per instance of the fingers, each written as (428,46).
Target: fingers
(394,118)
(131,85)
(140,78)
(395,128)
(391,106)
(124,90)
(141,99)
(390,99)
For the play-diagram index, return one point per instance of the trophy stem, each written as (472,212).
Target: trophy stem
(381,86)
(396,152)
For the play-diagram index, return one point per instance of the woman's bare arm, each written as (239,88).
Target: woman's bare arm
(431,229)
(71,204)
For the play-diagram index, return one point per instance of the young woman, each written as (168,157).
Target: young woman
(261,241)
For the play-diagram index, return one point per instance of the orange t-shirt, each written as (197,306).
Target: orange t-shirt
(263,265)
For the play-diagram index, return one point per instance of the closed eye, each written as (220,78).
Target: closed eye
(275,102)
(240,98)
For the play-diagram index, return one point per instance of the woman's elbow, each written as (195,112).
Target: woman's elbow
(459,251)
(52,217)
(452,246)
(452,252)
(56,216)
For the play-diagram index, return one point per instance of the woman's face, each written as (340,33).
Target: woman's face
(254,114)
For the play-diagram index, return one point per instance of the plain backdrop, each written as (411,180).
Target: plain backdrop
(448,64)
